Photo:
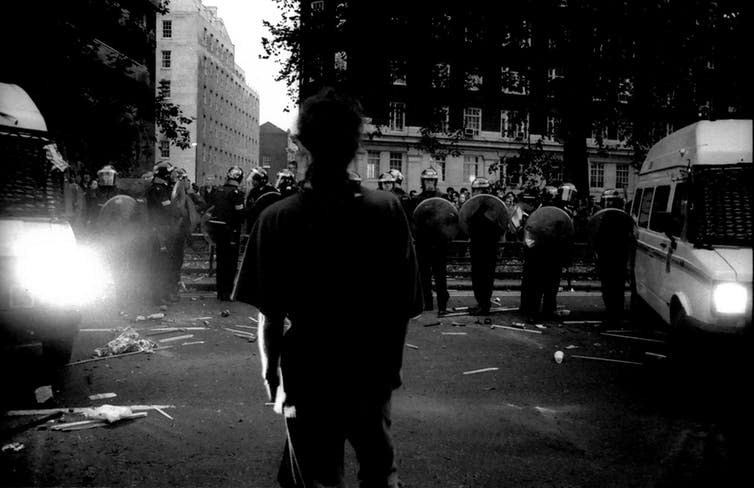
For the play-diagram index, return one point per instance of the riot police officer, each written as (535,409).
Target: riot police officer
(398,177)
(431,253)
(612,199)
(260,185)
(286,183)
(225,225)
(162,218)
(105,190)
(386,182)
(484,235)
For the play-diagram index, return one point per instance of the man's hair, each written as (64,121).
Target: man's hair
(329,126)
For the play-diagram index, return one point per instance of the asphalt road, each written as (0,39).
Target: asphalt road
(531,422)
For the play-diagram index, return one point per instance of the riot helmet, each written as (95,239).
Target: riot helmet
(612,198)
(235,173)
(429,179)
(286,181)
(106,176)
(386,182)
(397,175)
(480,185)
(163,170)
(567,193)
(549,195)
(258,177)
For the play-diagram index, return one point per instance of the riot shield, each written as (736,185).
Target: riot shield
(610,228)
(493,208)
(265,200)
(116,213)
(549,226)
(436,219)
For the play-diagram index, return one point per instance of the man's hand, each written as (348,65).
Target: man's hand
(271,383)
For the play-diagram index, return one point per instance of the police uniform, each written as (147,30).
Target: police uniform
(432,256)
(226,223)
(484,236)
(252,211)
(161,215)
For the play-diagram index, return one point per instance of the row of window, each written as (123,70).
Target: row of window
(226,134)
(650,201)
(215,101)
(597,175)
(216,155)
(224,79)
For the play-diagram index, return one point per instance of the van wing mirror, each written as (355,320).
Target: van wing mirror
(667,223)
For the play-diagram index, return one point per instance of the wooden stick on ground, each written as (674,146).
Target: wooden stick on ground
(608,360)
(117,355)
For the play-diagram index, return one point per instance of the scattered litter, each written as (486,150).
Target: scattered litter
(558,356)
(455,314)
(164,413)
(193,299)
(128,341)
(177,338)
(156,316)
(246,326)
(503,309)
(620,331)
(176,329)
(225,313)
(489,388)
(571,322)
(183,286)
(563,313)
(51,411)
(608,360)
(495,326)
(432,324)
(156,349)
(597,344)
(140,318)
(28,425)
(454,333)
(80,425)
(13,446)
(458,309)
(496,299)
(539,326)
(192,343)
(254,320)
(483,370)
(206,322)
(198,278)
(102,396)
(163,307)
(655,355)
(43,393)
(657,341)
(238,331)
(101,330)
(457,324)
(520,325)
(572,347)
(202,318)
(412,346)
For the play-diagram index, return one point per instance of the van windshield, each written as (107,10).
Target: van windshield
(722,205)
(29,186)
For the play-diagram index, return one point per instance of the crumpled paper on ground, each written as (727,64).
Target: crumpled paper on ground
(128,341)
(111,413)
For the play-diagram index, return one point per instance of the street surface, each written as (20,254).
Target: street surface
(529,423)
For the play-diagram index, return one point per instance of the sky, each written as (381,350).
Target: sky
(243,21)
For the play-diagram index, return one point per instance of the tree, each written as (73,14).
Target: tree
(170,119)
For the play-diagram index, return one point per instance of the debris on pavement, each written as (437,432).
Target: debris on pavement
(412,346)
(645,339)
(609,360)
(177,338)
(246,326)
(102,396)
(483,370)
(519,329)
(163,307)
(571,346)
(539,326)
(28,425)
(455,314)
(562,313)
(192,343)
(253,320)
(457,324)
(164,413)
(51,411)
(655,355)
(519,325)
(459,309)
(201,318)
(454,333)
(558,356)
(579,322)
(43,393)
(156,316)
(432,324)
(243,334)
(503,309)
(225,313)
(13,446)
(206,322)
(156,349)
(126,342)
(111,413)
(140,318)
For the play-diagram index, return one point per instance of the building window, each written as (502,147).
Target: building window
(396,161)
(472,121)
(554,74)
(266,161)
(514,124)
(318,6)
(470,168)
(441,75)
(513,82)
(597,175)
(553,126)
(341,61)
(473,80)
(442,118)
(397,115)
(166,59)
(164,149)
(621,176)
(341,9)
(625,90)
(398,71)
(165,88)
(373,165)
(167,29)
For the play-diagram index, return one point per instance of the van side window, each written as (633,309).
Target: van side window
(679,207)
(636,202)
(660,205)
(646,203)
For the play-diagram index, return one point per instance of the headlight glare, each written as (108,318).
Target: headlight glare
(729,298)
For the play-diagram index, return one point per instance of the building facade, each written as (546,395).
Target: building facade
(453,88)
(276,149)
(196,56)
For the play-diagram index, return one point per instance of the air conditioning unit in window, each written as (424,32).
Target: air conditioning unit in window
(468,132)
(520,135)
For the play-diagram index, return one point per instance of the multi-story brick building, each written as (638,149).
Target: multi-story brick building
(197,57)
(276,149)
(455,69)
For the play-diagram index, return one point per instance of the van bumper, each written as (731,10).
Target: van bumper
(737,326)
(22,326)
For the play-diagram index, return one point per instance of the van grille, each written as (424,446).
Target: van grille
(723,201)
(29,187)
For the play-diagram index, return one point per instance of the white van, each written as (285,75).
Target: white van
(693,209)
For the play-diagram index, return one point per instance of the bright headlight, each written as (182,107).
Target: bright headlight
(729,298)
(63,274)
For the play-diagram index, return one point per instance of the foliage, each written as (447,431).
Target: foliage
(284,46)
(170,120)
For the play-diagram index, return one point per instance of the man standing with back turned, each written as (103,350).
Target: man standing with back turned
(340,359)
